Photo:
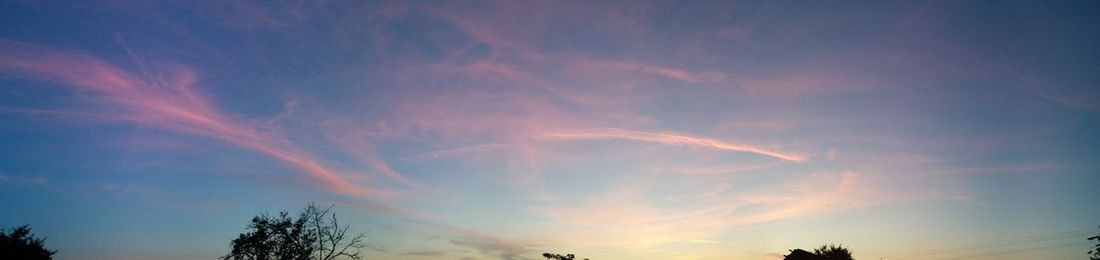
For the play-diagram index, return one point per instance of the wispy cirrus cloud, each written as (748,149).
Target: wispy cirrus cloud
(628,218)
(166,100)
(669,139)
(544,105)
(455,152)
(490,245)
(717,169)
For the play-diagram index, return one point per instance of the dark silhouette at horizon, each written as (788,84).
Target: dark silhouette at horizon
(559,257)
(1094,254)
(825,252)
(315,235)
(21,244)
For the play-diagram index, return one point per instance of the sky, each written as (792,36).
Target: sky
(607,129)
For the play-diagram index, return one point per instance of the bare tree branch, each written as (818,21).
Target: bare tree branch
(316,235)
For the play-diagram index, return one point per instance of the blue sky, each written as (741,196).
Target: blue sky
(503,129)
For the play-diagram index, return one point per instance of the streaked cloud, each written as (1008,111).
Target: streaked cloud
(458,151)
(696,130)
(673,139)
(167,100)
(490,245)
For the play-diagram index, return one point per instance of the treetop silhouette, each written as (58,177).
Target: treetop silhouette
(20,243)
(559,257)
(825,252)
(1094,254)
(315,235)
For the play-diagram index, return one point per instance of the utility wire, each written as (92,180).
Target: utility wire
(1021,250)
(1019,241)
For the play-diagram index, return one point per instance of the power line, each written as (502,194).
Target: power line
(1002,243)
(1011,241)
(1020,250)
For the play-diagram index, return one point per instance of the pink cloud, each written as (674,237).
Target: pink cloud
(581,64)
(1083,100)
(357,145)
(669,139)
(800,83)
(588,82)
(243,14)
(615,78)
(489,245)
(517,26)
(167,100)
(455,152)
(817,193)
(1033,168)
(717,169)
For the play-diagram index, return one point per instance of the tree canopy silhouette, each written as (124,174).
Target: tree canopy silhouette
(315,235)
(20,243)
(825,252)
(799,254)
(559,257)
(1094,254)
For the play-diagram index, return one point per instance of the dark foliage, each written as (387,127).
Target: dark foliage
(1094,254)
(829,252)
(20,243)
(833,252)
(799,254)
(314,235)
(559,257)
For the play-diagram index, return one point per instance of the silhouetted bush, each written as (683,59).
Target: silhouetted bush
(20,243)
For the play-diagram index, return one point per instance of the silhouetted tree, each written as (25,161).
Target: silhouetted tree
(829,252)
(799,254)
(315,235)
(20,243)
(1094,254)
(833,252)
(559,257)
